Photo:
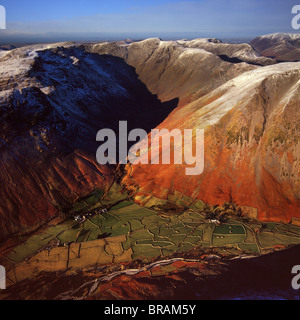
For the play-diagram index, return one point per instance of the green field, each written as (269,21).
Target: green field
(152,233)
(229,229)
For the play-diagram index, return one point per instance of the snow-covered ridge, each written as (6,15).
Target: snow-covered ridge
(281,36)
(242,89)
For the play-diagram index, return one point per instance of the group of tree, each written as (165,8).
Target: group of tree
(224,212)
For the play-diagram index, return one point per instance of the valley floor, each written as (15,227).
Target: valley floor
(107,244)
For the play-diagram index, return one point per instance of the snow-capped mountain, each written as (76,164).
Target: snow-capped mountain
(54,99)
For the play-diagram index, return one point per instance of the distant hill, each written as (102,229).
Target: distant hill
(281,46)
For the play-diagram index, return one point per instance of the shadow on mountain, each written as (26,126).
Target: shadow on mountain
(49,128)
(236,60)
(266,277)
(89,92)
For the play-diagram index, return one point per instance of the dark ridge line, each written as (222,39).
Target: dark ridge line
(236,60)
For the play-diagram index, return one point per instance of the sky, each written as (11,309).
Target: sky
(116,19)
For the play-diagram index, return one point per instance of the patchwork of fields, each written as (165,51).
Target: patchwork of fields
(129,232)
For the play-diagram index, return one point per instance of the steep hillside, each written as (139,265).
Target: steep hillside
(252,146)
(233,53)
(251,122)
(173,70)
(281,46)
(53,101)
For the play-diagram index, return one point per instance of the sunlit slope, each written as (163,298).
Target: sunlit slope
(252,128)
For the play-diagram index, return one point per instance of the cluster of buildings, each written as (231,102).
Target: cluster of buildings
(82,218)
